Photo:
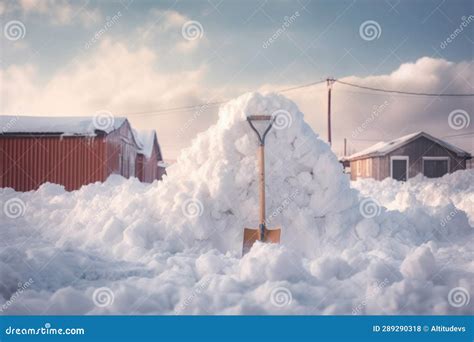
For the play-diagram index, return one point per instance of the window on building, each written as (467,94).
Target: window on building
(435,166)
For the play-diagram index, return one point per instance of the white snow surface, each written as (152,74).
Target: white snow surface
(456,189)
(67,125)
(146,138)
(174,247)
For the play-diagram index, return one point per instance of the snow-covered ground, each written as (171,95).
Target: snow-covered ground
(174,247)
(456,189)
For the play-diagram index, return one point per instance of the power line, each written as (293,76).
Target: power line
(356,91)
(301,86)
(203,106)
(206,105)
(459,135)
(166,111)
(462,135)
(400,91)
(355,139)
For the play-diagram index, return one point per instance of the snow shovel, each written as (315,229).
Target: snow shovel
(262,233)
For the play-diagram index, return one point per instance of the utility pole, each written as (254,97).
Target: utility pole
(330,82)
(345,147)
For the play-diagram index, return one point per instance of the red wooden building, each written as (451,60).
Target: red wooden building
(150,164)
(72,151)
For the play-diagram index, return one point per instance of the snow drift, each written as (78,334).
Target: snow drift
(173,247)
(457,188)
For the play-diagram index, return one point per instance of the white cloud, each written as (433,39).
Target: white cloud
(168,19)
(166,26)
(62,12)
(385,116)
(111,77)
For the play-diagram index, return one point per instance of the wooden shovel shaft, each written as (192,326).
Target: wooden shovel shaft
(261,153)
(262,233)
(262,183)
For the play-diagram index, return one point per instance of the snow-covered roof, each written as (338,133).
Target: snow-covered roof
(74,125)
(66,125)
(382,148)
(146,139)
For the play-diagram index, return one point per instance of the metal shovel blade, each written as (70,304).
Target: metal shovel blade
(252,235)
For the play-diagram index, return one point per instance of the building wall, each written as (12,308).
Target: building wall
(383,167)
(150,167)
(362,168)
(121,152)
(139,167)
(161,172)
(377,167)
(147,168)
(416,150)
(469,164)
(29,161)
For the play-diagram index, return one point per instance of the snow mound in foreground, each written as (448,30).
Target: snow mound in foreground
(173,247)
(211,193)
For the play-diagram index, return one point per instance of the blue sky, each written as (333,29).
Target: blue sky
(323,39)
(235,30)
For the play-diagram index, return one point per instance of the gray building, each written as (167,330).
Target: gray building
(406,157)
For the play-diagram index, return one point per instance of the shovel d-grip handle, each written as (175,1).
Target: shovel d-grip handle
(261,138)
(261,154)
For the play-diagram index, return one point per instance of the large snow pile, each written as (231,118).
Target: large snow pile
(174,247)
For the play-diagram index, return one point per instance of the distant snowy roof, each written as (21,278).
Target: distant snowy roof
(146,139)
(382,148)
(67,125)
(74,125)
